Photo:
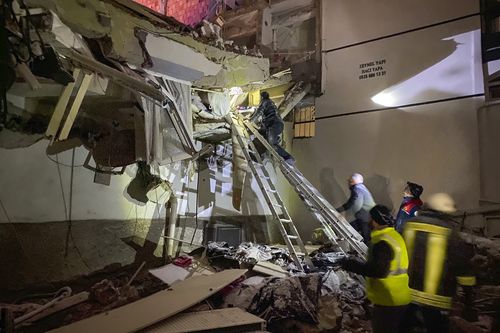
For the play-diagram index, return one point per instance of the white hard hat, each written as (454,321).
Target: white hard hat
(441,202)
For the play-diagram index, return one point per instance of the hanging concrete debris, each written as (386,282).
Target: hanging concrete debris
(292,97)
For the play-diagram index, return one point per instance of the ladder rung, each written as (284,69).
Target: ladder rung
(276,205)
(292,237)
(285,221)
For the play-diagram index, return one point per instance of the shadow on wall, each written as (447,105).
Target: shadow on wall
(379,187)
(145,248)
(257,227)
(330,188)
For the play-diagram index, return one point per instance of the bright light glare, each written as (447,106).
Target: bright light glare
(384,99)
(456,75)
(235,91)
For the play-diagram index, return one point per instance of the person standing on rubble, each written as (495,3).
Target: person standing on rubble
(410,205)
(385,269)
(360,202)
(439,260)
(271,125)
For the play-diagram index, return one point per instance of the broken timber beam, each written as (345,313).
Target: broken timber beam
(75,107)
(293,99)
(118,77)
(62,102)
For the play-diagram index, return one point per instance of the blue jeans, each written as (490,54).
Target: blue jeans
(272,134)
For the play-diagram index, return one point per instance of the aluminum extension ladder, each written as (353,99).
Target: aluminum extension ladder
(333,222)
(273,199)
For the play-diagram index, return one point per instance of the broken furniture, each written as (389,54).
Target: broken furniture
(155,308)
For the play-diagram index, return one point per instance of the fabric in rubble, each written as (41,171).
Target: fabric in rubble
(249,253)
(326,260)
(274,299)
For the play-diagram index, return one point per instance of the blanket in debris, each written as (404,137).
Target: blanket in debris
(277,298)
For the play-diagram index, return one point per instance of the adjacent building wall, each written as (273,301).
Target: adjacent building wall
(402,85)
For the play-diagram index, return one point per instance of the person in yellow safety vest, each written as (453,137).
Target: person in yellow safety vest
(439,259)
(385,269)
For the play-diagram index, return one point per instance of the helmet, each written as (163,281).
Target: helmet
(264,95)
(441,202)
(415,189)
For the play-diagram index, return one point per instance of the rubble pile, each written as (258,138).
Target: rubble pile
(211,34)
(324,299)
(248,253)
(486,259)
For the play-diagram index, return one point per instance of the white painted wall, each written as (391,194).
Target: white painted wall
(346,22)
(32,190)
(489,139)
(434,144)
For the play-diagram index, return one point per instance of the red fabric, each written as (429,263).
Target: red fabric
(183,261)
(227,289)
(410,205)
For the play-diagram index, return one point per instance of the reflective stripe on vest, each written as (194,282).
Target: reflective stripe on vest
(393,289)
(397,256)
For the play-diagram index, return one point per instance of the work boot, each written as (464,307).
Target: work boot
(290,161)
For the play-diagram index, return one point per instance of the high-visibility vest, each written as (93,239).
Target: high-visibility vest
(439,260)
(392,290)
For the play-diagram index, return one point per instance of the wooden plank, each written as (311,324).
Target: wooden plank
(61,105)
(219,320)
(271,269)
(75,107)
(62,305)
(157,307)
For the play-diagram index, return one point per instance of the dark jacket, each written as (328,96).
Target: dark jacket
(377,264)
(269,112)
(439,259)
(360,202)
(407,210)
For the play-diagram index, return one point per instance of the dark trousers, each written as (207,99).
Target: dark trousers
(362,226)
(387,319)
(433,319)
(272,134)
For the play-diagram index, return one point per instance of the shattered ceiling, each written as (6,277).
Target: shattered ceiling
(125,82)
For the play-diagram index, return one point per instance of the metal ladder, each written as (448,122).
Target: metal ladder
(333,222)
(273,199)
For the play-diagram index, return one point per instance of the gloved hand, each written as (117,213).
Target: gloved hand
(345,263)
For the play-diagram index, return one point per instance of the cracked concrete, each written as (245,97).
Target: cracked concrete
(84,17)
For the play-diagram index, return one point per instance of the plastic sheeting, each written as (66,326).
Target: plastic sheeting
(220,102)
(164,145)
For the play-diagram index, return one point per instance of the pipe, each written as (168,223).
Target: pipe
(171,206)
(64,292)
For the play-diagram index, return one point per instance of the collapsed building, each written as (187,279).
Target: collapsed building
(127,170)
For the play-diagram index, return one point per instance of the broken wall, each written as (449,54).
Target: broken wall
(402,83)
(108,227)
